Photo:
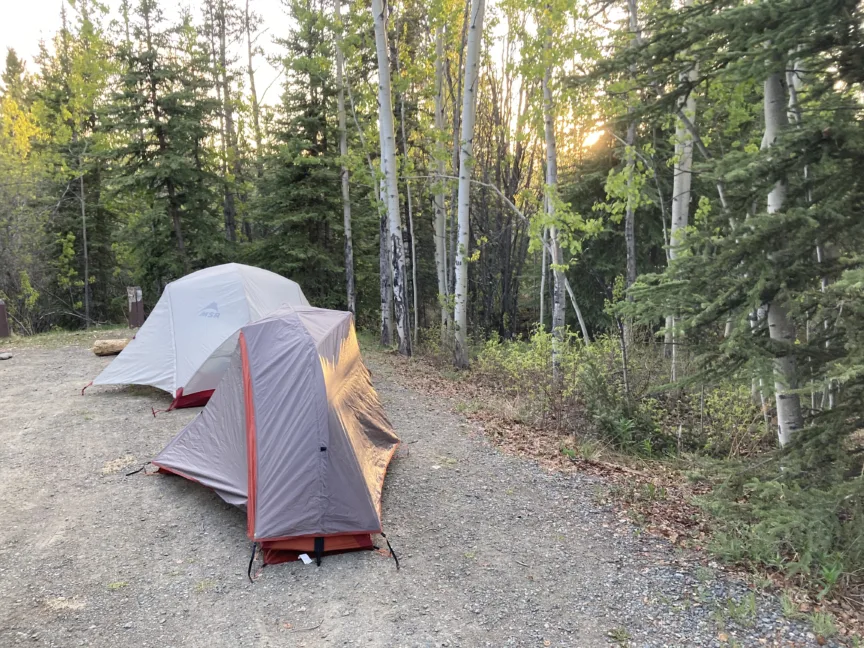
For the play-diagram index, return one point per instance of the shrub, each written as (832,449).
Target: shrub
(812,534)
(588,398)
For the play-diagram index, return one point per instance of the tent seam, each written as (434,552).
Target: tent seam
(323,416)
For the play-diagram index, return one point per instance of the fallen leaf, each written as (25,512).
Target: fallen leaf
(723,637)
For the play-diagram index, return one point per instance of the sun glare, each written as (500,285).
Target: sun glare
(592,138)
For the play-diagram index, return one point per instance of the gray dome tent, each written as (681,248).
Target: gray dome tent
(295,435)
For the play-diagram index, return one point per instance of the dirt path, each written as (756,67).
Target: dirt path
(494,551)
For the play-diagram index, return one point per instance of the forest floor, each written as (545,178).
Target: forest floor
(496,550)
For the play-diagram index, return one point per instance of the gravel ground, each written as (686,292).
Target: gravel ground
(494,551)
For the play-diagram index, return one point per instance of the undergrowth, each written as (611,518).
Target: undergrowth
(587,395)
(796,515)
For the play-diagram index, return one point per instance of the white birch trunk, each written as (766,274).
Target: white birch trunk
(558,297)
(681,182)
(410,201)
(630,211)
(457,116)
(440,215)
(466,163)
(351,294)
(86,254)
(385,267)
(543,272)
(388,155)
(253,94)
(780,327)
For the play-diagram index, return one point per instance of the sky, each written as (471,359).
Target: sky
(26,22)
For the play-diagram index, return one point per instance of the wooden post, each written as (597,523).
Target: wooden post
(4,320)
(136,306)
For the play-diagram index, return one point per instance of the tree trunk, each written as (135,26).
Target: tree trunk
(780,327)
(388,155)
(253,95)
(469,106)
(230,207)
(86,254)
(109,347)
(414,288)
(558,298)
(544,270)
(440,215)
(409,199)
(681,181)
(384,270)
(343,152)
(454,199)
(630,212)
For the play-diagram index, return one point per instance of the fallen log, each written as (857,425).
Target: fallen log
(109,347)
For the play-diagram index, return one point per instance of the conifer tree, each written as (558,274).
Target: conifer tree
(161,114)
(297,196)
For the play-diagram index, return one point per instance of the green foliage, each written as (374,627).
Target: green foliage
(742,612)
(67,275)
(717,420)
(823,624)
(812,534)
(797,512)
(590,390)
(790,607)
(625,187)
(164,112)
(620,636)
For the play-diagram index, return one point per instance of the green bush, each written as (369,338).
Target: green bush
(588,398)
(811,534)
(801,512)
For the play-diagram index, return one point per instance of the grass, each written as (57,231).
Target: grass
(790,607)
(619,636)
(704,574)
(823,624)
(742,612)
(471,406)
(59,338)
(205,586)
(587,449)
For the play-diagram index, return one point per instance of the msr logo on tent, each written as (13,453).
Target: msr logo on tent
(210,310)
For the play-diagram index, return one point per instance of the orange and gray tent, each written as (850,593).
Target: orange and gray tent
(295,434)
